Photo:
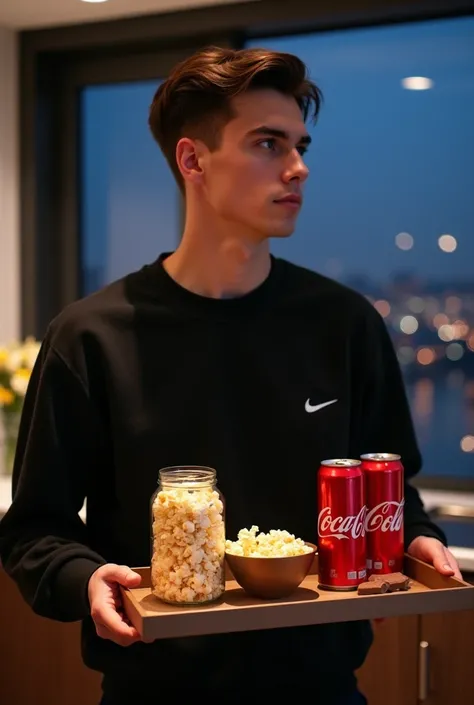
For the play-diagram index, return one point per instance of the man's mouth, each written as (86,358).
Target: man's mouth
(292,199)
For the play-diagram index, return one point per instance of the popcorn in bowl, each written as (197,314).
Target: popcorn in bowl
(277,543)
(248,560)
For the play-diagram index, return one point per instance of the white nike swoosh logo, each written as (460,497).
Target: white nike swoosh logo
(311,409)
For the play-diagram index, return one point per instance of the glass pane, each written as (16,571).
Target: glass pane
(130,206)
(391,206)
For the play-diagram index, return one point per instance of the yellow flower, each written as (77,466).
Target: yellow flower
(30,352)
(6,396)
(14,359)
(3,357)
(18,355)
(19,381)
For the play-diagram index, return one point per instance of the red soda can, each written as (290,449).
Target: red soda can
(385,499)
(341,525)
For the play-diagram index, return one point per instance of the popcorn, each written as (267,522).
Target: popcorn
(276,544)
(188,545)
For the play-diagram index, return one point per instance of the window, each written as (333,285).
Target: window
(130,203)
(391,211)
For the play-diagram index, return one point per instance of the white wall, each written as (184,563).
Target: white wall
(9,188)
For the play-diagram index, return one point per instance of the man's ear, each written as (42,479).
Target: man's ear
(189,158)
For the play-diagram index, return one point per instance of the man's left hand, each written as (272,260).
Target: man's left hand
(432,551)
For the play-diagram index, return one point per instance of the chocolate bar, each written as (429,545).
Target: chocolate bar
(373,587)
(396,581)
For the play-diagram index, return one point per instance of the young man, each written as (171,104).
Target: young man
(208,356)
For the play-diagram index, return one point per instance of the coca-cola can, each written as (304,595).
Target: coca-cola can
(385,499)
(341,525)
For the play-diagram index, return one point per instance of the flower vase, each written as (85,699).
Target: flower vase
(11,424)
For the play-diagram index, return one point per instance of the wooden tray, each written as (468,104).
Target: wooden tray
(236,611)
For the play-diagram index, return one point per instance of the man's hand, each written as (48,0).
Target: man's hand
(106,604)
(434,552)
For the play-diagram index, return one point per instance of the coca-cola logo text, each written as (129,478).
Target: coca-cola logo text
(386,516)
(339,527)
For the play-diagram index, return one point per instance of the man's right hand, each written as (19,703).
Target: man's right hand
(106,603)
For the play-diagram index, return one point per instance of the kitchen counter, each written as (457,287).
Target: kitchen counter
(431,499)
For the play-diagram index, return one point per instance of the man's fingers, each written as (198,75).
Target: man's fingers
(440,561)
(446,564)
(110,625)
(106,606)
(120,640)
(453,564)
(121,574)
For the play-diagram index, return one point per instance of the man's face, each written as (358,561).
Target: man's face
(255,178)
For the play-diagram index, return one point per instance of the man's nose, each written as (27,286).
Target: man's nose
(296,168)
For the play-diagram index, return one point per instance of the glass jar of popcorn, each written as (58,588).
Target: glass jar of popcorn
(188,536)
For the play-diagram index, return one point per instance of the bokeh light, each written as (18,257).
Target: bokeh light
(409,325)
(454,351)
(383,307)
(447,243)
(425,356)
(404,241)
(467,444)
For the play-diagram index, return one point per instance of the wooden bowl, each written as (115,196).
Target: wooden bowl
(271,578)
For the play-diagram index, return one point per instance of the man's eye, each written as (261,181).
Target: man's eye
(302,149)
(269,143)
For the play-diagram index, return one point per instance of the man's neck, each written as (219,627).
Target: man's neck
(218,267)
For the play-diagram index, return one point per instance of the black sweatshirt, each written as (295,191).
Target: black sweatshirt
(145,374)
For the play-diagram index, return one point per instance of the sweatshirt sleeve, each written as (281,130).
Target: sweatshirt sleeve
(43,540)
(386,424)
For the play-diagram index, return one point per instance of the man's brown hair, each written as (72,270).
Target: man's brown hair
(195,100)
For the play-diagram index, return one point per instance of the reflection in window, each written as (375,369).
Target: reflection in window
(129,199)
(391,211)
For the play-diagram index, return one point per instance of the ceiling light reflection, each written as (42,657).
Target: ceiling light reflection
(417,83)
